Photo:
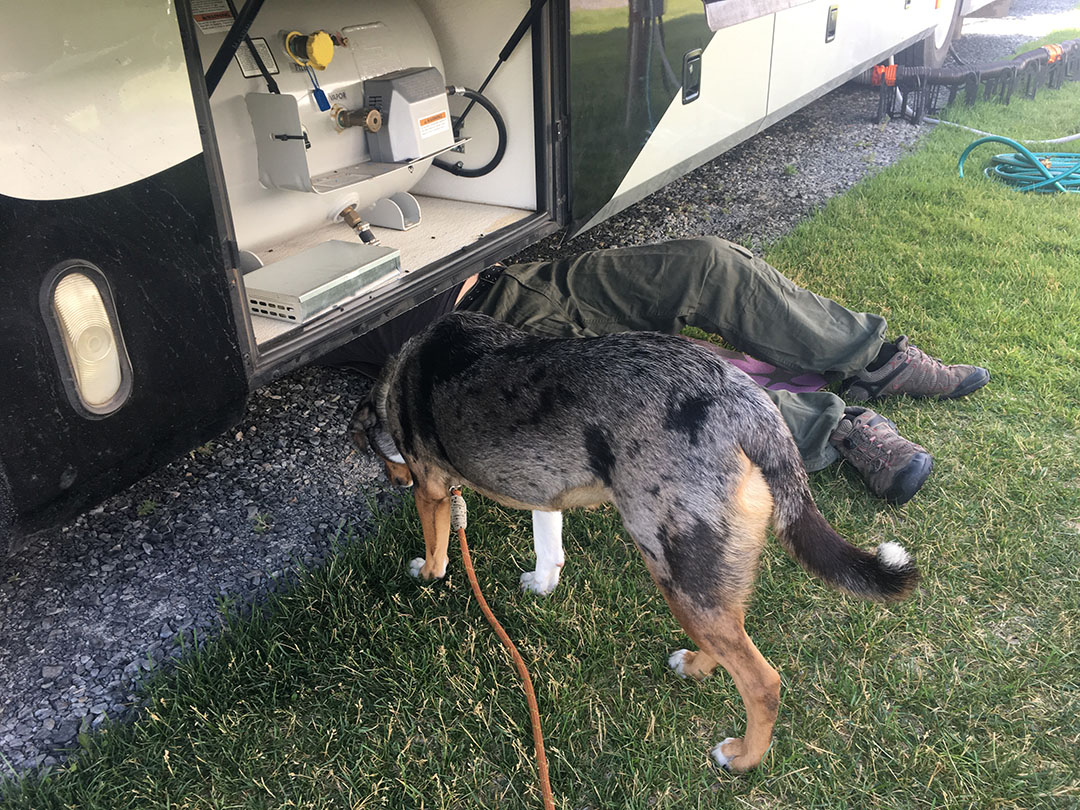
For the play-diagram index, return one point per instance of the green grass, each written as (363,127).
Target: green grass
(359,688)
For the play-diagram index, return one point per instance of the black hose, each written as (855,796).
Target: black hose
(1026,63)
(241,23)
(500,125)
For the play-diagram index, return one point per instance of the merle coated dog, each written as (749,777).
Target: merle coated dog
(692,453)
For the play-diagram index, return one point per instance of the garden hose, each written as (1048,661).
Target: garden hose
(1029,171)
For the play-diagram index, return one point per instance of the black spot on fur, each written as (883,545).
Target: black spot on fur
(695,559)
(567,397)
(546,405)
(601,459)
(447,353)
(536,376)
(654,490)
(688,416)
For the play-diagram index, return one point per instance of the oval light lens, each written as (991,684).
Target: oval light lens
(90,340)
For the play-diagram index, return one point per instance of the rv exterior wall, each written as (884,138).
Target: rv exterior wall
(100,96)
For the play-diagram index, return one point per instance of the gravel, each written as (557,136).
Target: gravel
(87,610)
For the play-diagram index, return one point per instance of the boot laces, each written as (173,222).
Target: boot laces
(868,448)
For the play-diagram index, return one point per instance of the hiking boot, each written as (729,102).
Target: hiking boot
(892,467)
(913,372)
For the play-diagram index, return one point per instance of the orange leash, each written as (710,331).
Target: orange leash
(457,518)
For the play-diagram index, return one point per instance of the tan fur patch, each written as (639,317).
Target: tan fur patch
(753,507)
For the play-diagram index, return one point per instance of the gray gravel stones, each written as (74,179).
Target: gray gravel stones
(88,610)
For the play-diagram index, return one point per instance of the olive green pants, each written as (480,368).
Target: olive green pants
(708,283)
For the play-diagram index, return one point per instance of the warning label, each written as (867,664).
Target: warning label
(247,63)
(434,124)
(212,16)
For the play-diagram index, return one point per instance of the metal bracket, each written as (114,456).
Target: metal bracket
(400,212)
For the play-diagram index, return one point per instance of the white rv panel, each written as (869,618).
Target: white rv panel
(734,86)
(804,63)
(102,97)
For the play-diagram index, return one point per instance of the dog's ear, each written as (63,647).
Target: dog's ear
(363,419)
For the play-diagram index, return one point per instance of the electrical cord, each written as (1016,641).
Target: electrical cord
(500,125)
(1029,171)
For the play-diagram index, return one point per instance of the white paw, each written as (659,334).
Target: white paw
(718,754)
(415,566)
(675,661)
(541,582)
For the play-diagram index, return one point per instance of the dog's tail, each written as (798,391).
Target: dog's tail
(886,575)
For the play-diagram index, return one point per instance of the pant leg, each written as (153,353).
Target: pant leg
(713,285)
(765,314)
(811,417)
(708,283)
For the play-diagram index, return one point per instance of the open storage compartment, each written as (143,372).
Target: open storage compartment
(328,148)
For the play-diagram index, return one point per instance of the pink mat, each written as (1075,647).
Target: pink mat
(767,375)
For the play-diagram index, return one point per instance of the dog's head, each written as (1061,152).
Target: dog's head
(367,432)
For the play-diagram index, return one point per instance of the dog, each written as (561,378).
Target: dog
(692,453)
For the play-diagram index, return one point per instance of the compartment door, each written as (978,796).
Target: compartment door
(806,62)
(727,107)
(626,70)
(107,174)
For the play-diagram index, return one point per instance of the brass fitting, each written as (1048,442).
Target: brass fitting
(369,118)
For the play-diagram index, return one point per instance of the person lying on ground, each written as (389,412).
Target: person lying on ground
(722,288)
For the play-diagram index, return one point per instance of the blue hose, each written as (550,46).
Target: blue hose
(1030,171)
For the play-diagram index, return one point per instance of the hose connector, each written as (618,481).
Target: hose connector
(367,118)
(359,224)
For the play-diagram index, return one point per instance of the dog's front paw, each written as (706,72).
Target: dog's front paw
(541,583)
(722,759)
(417,570)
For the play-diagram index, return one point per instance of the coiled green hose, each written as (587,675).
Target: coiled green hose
(1029,171)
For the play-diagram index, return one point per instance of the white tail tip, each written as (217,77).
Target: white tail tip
(893,555)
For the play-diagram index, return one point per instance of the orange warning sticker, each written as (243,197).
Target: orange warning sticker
(433,124)
(212,16)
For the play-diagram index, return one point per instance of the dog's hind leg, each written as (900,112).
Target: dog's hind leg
(705,564)
(691,664)
(433,505)
(547,540)
(723,640)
